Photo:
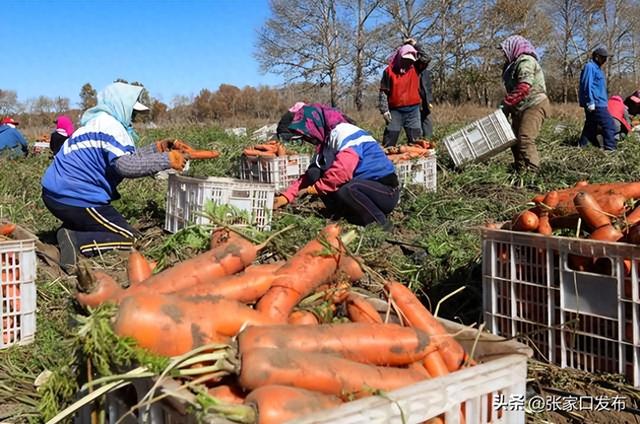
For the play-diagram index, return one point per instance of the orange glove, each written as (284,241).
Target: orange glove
(164,145)
(311,190)
(181,146)
(279,202)
(169,144)
(177,160)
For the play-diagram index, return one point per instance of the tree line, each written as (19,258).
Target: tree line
(334,51)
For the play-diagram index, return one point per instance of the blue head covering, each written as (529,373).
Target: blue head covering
(117,100)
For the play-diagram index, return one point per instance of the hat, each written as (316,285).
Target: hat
(8,120)
(140,107)
(409,55)
(601,51)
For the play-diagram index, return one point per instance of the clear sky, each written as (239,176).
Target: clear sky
(173,47)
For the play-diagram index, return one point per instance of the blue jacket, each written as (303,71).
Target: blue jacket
(593,86)
(11,138)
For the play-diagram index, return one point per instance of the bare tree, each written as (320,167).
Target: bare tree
(303,41)
(8,102)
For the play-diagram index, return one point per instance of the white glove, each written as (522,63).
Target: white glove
(387,117)
(591,107)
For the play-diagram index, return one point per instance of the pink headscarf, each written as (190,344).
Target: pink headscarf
(396,58)
(517,45)
(65,124)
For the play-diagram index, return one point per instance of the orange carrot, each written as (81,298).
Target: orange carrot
(378,344)
(582,183)
(258,153)
(228,393)
(169,325)
(525,221)
(319,372)
(303,318)
(360,310)
(549,203)
(590,211)
(245,287)
(310,267)
(419,317)
(138,268)
(231,256)
(278,404)
(351,268)
(106,288)
(7,229)
(12,292)
(606,233)
(202,154)
(419,368)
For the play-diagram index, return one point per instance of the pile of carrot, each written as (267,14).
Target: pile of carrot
(270,149)
(604,212)
(419,149)
(287,353)
(10,296)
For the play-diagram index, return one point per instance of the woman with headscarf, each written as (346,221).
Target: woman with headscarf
(399,97)
(82,180)
(64,130)
(354,176)
(526,99)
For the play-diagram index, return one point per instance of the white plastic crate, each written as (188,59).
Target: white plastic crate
(421,171)
(584,320)
(279,171)
(187,196)
(501,374)
(18,292)
(484,138)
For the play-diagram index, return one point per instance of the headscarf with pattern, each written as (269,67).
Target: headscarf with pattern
(316,121)
(515,46)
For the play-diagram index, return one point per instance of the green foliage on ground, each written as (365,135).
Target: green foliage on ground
(433,246)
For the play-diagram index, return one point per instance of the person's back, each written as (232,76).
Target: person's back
(593,86)
(11,139)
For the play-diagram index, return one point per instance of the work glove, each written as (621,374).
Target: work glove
(312,191)
(169,144)
(279,202)
(591,107)
(387,117)
(177,160)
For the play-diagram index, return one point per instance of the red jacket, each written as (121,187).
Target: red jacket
(404,89)
(616,109)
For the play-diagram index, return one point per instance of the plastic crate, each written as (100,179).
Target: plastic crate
(187,196)
(422,172)
(279,171)
(18,292)
(484,138)
(502,373)
(584,320)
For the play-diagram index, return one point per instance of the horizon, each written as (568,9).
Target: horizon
(181,51)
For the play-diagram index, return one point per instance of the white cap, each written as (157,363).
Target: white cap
(409,55)
(140,107)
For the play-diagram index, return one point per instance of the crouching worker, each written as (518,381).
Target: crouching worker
(82,180)
(351,172)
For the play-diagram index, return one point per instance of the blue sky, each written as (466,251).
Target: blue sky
(174,47)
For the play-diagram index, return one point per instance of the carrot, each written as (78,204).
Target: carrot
(282,151)
(360,310)
(153,265)
(319,372)
(202,154)
(12,293)
(7,229)
(582,183)
(351,268)
(138,268)
(245,287)
(105,289)
(590,211)
(419,369)
(278,404)
(632,217)
(606,233)
(525,221)
(310,267)
(419,317)
(550,202)
(231,256)
(377,344)
(169,325)
(228,393)
(258,153)
(303,318)
(613,204)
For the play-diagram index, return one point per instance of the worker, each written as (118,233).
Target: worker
(12,142)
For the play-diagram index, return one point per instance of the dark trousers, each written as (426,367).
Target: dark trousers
(407,118)
(427,123)
(94,230)
(364,202)
(600,117)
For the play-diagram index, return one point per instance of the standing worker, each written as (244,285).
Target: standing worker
(12,140)
(82,180)
(526,99)
(594,99)
(426,88)
(399,99)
